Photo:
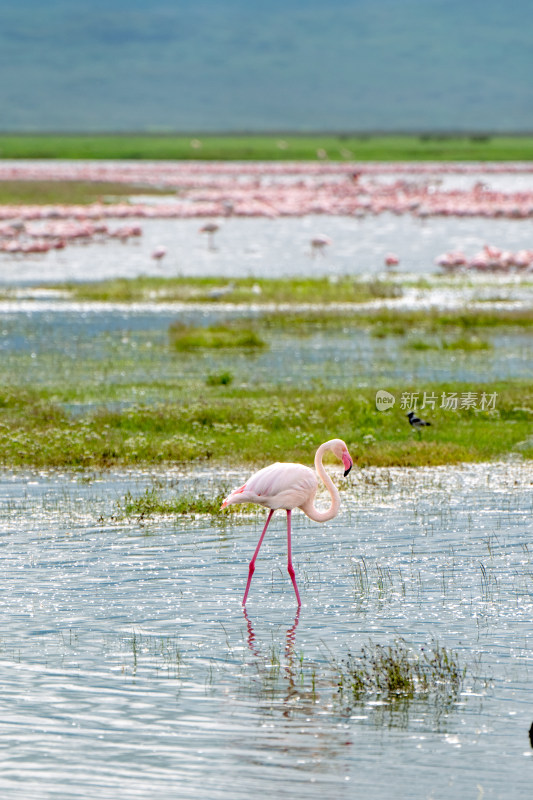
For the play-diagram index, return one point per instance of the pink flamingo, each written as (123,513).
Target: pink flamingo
(291,486)
(210,228)
(159,252)
(391,260)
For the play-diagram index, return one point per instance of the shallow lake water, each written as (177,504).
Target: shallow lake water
(270,248)
(99,347)
(128,668)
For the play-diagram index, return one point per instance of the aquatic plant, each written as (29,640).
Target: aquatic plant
(152,502)
(161,655)
(220,379)
(464,343)
(398,321)
(396,671)
(187,337)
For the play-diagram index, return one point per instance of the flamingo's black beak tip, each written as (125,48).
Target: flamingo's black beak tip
(347,462)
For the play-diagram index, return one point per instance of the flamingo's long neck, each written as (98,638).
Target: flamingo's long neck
(309,508)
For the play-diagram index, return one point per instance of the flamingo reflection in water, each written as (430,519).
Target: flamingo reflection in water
(291,486)
(290,639)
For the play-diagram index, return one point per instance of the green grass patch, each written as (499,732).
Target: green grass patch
(463,343)
(238,290)
(68,192)
(220,379)
(465,325)
(385,322)
(268,147)
(466,344)
(236,335)
(422,344)
(153,503)
(254,426)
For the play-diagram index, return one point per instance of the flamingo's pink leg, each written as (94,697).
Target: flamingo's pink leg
(252,562)
(289,559)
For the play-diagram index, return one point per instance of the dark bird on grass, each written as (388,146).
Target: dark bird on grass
(416,422)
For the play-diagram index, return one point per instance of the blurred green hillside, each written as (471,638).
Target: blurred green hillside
(235,66)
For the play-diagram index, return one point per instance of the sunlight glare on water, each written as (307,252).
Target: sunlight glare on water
(129,668)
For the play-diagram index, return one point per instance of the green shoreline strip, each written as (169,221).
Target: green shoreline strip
(282,147)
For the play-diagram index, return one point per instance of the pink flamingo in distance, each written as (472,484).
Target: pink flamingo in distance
(319,242)
(210,228)
(289,486)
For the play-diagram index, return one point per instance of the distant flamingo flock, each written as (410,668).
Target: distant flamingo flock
(27,237)
(489,259)
(220,189)
(282,189)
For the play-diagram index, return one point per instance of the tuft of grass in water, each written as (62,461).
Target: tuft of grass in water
(422,344)
(386,322)
(396,672)
(157,655)
(152,503)
(220,379)
(381,329)
(388,677)
(467,344)
(463,343)
(186,337)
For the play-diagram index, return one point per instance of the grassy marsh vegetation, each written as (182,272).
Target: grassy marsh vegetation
(387,322)
(234,335)
(239,290)
(126,400)
(323,293)
(152,502)
(68,192)
(458,330)
(463,343)
(256,425)
(270,148)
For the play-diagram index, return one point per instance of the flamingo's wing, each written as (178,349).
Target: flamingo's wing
(277,486)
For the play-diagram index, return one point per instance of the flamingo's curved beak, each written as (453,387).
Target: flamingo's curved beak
(347,461)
